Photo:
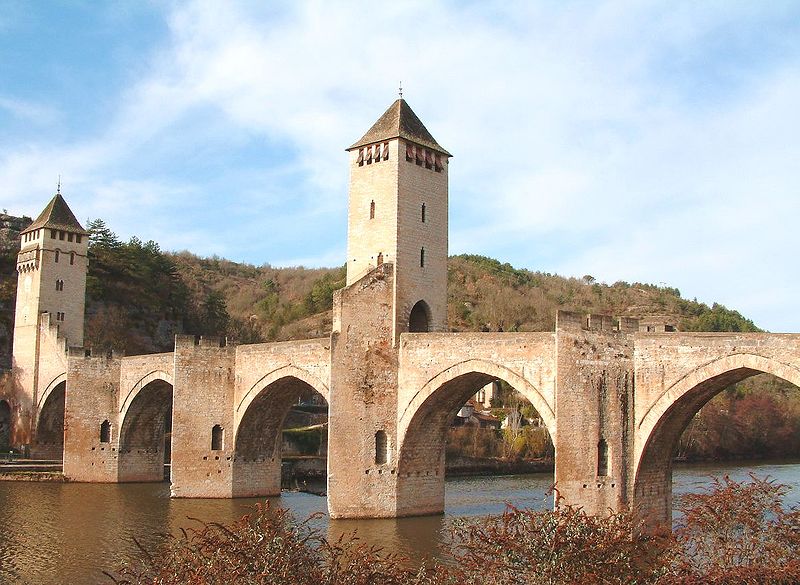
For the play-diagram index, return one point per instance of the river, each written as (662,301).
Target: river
(68,533)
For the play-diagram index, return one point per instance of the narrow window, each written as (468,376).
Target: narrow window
(385,151)
(60,235)
(409,152)
(59,285)
(70,236)
(360,160)
(78,239)
(72,257)
(105,432)
(422,258)
(57,254)
(372,209)
(369,155)
(420,156)
(438,163)
(217,437)
(53,234)
(428,159)
(602,457)
(423,213)
(381,448)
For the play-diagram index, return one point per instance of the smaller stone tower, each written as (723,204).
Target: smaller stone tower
(398,215)
(51,291)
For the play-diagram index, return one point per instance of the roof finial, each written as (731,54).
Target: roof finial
(58,191)
(400,90)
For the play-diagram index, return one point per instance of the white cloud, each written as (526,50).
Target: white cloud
(622,137)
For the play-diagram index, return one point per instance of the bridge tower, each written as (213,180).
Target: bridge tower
(396,283)
(51,290)
(398,215)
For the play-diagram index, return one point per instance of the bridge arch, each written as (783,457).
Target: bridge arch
(422,429)
(62,377)
(155,375)
(49,443)
(489,371)
(661,427)
(261,415)
(287,371)
(145,429)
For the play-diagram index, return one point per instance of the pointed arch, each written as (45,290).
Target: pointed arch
(660,429)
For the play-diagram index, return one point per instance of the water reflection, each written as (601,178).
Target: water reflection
(69,533)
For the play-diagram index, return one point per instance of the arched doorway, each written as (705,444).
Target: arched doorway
(723,401)
(145,436)
(420,317)
(285,420)
(435,435)
(49,443)
(5,426)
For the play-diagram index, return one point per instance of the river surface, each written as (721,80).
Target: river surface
(69,533)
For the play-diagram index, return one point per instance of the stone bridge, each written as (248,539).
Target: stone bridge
(614,399)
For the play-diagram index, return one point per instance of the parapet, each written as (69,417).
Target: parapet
(91,352)
(187,341)
(574,321)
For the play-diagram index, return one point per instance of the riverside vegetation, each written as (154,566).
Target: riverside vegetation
(734,533)
(139,297)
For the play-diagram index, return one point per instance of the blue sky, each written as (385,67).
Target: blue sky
(637,141)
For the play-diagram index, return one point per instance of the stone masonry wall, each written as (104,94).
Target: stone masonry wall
(203,397)
(594,391)
(363,401)
(91,398)
(419,185)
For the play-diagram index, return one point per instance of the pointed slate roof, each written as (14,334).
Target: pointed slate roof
(400,121)
(57,215)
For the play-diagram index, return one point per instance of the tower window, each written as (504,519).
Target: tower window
(57,255)
(59,285)
(420,156)
(381,448)
(369,155)
(59,316)
(105,432)
(70,236)
(409,152)
(72,257)
(438,163)
(423,213)
(77,238)
(53,234)
(372,209)
(385,151)
(602,457)
(60,235)
(428,159)
(217,438)
(422,258)
(360,160)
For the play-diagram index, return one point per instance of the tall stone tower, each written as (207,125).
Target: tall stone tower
(396,283)
(51,290)
(398,215)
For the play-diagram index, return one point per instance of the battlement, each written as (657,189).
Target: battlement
(574,321)
(187,341)
(95,353)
